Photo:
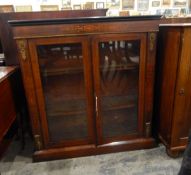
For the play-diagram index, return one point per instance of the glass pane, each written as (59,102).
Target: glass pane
(62,76)
(119,72)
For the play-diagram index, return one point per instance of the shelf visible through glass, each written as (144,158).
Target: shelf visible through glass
(62,77)
(119,80)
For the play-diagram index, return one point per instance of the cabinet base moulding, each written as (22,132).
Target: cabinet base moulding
(173,151)
(86,150)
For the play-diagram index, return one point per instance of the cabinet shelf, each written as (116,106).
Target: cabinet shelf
(66,107)
(118,102)
(61,71)
(125,106)
(52,111)
(67,87)
(66,113)
(56,71)
(78,106)
(71,127)
(119,67)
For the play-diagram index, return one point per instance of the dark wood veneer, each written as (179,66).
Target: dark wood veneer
(97,58)
(173,86)
(70,152)
(10,105)
(81,20)
(7,104)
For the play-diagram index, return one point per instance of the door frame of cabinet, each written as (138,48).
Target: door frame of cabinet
(141,84)
(33,43)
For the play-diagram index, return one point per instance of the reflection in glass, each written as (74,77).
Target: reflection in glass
(62,76)
(119,72)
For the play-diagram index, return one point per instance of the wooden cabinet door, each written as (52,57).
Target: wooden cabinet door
(119,76)
(62,75)
(182,104)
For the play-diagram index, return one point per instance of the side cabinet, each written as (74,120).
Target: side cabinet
(174,87)
(88,92)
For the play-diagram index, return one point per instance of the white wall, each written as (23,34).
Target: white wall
(36,3)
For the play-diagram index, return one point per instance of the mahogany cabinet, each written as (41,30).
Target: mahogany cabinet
(174,86)
(89,83)
(8,110)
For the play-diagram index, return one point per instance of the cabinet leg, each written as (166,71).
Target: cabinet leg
(173,154)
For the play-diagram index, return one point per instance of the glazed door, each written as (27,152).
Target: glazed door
(119,73)
(62,76)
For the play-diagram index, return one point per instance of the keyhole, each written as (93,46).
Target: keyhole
(181,92)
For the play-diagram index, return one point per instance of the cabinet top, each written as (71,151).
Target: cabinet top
(6,71)
(82,20)
(176,25)
(29,29)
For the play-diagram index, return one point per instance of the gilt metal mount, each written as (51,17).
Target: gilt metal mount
(22,49)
